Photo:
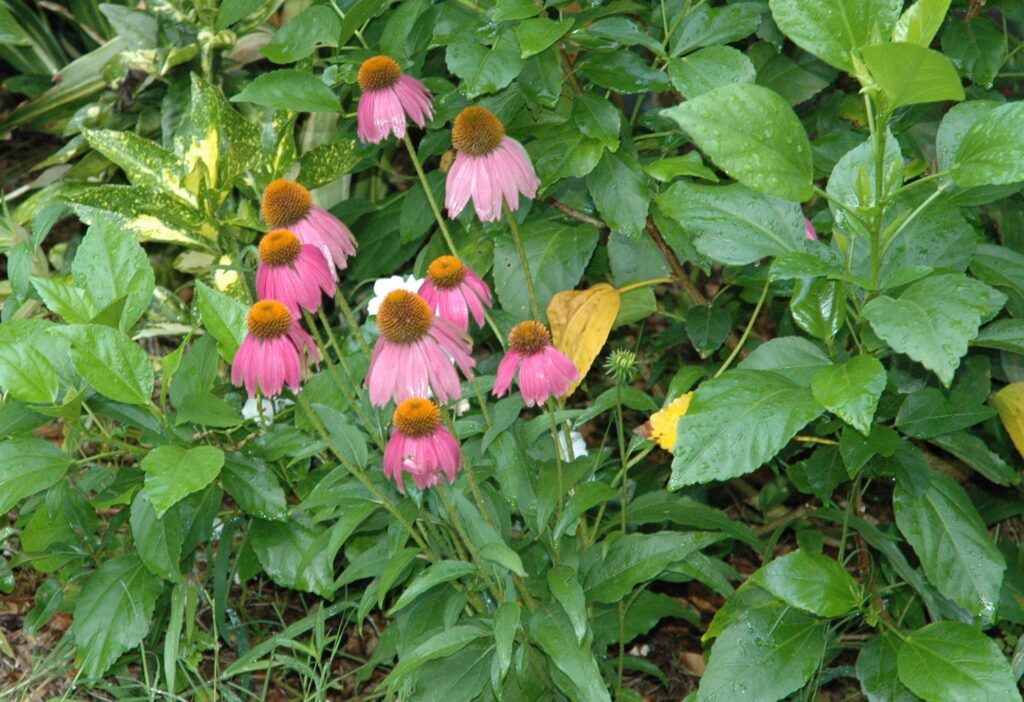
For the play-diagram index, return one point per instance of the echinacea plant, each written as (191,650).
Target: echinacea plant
(514,351)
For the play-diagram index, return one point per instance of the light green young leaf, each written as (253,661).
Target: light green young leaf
(173,472)
(833,29)
(933,320)
(909,74)
(851,390)
(753,135)
(954,662)
(736,423)
(812,582)
(920,22)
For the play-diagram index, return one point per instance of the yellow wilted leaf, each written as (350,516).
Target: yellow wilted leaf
(580,322)
(1010,403)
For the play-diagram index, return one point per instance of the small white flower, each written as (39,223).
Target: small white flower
(461,407)
(264,410)
(383,286)
(579,446)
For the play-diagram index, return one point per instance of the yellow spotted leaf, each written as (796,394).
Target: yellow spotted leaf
(581,321)
(1010,403)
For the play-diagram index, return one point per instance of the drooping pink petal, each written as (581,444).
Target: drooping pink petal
(506,372)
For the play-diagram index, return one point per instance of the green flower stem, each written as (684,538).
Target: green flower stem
(524,262)
(877,124)
(620,430)
(467,468)
(746,331)
(361,476)
(351,398)
(558,455)
(353,323)
(442,225)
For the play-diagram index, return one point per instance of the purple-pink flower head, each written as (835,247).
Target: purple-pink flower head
(292,273)
(421,446)
(454,291)
(289,205)
(415,352)
(543,370)
(809,230)
(388,96)
(274,353)
(490,167)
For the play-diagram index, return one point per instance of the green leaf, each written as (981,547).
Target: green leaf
(973,451)
(73,304)
(503,555)
(173,472)
(933,320)
(111,362)
(484,69)
(254,487)
(232,11)
(624,72)
(733,224)
(563,151)
(660,506)
(796,79)
(668,169)
(111,264)
(291,90)
(851,390)
(992,150)
(954,662)
(736,423)
(303,34)
(818,306)
(920,22)
(144,162)
(356,15)
(435,574)
(705,25)
(707,326)
(224,318)
(28,465)
(853,182)
(558,255)
(349,441)
(767,653)
(909,74)
(27,357)
(597,119)
(566,588)
(506,624)
(1002,334)
(280,548)
(619,189)
(927,413)
(113,613)
(833,29)
(328,162)
(637,558)
(950,539)
(812,582)
(876,670)
(791,356)
(440,645)
(157,539)
(752,134)
(539,33)
(553,632)
(977,47)
(710,68)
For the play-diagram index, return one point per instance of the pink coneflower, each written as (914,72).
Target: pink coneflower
(489,166)
(544,371)
(288,205)
(421,446)
(292,273)
(809,229)
(414,353)
(388,96)
(453,290)
(274,353)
